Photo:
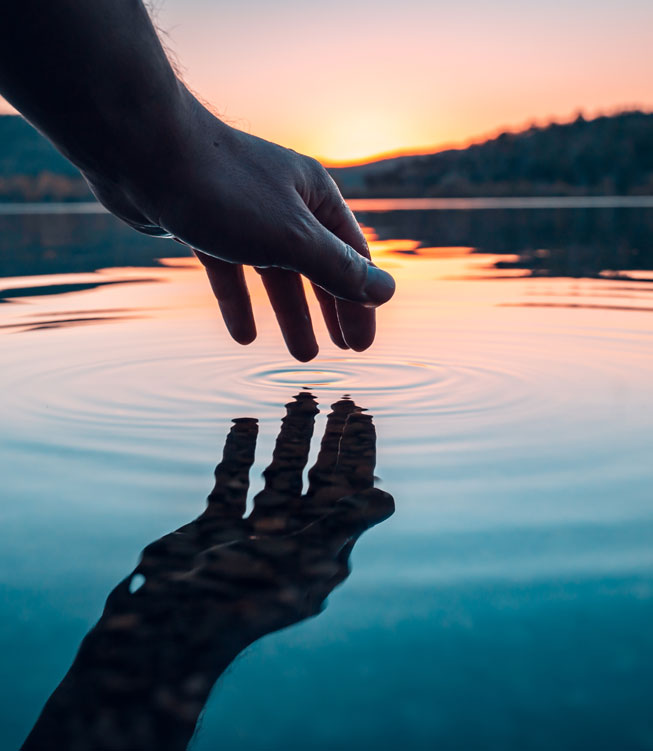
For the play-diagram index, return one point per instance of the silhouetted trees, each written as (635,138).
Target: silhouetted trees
(609,155)
(31,169)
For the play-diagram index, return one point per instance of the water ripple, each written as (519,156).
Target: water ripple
(192,390)
(411,386)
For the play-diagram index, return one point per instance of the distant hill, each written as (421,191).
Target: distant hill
(608,155)
(31,169)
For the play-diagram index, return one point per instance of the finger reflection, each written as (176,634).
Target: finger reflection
(203,593)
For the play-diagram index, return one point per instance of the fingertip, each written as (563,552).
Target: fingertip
(243,338)
(305,353)
(242,332)
(379,286)
(357,323)
(361,347)
(359,341)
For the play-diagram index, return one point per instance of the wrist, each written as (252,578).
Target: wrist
(137,141)
(177,151)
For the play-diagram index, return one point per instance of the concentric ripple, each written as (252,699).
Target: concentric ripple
(121,386)
(192,390)
(395,386)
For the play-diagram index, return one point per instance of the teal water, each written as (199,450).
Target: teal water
(505,603)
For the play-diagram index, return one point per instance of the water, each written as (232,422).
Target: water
(506,601)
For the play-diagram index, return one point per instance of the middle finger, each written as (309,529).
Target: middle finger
(286,293)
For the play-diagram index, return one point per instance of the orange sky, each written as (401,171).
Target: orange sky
(348,80)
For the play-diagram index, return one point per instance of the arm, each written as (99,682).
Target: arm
(94,78)
(143,674)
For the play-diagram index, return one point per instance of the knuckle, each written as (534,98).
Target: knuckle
(314,166)
(321,181)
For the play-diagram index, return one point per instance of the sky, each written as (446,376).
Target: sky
(346,80)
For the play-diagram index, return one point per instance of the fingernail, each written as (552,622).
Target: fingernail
(379,286)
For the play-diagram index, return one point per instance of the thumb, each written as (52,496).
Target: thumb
(340,270)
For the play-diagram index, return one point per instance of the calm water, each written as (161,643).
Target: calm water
(505,604)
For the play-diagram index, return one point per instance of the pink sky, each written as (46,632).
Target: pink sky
(349,80)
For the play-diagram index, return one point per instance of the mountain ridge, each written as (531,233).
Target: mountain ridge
(605,155)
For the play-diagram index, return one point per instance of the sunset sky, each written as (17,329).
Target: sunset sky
(346,80)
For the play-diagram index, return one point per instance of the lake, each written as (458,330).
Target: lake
(505,604)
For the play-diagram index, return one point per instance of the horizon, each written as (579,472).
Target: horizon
(472,141)
(379,81)
(491,135)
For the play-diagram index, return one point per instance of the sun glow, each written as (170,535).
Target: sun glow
(351,81)
(355,136)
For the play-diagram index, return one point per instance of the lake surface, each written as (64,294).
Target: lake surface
(507,601)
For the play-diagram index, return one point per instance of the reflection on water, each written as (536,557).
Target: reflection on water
(65,243)
(15,293)
(554,237)
(202,594)
(57,323)
(506,604)
(548,242)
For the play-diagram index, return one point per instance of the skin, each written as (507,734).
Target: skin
(211,588)
(94,78)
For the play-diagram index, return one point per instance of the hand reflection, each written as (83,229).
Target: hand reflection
(201,594)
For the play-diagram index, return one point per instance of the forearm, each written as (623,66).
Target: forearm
(134,689)
(94,78)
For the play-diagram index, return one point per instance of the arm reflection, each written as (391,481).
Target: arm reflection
(202,594)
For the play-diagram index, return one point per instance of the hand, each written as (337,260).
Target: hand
(155,157)
(277,565)
(237,199)
(202,594)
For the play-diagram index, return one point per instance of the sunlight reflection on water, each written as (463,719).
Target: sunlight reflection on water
(513,418)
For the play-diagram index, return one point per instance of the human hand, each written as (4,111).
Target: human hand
(202,594)
(239,200)
(276,566)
